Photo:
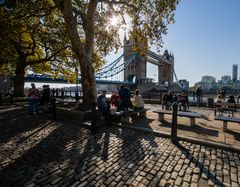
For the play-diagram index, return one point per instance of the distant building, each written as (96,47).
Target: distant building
(207,83)
(184,84)
(234,72)
(225,79)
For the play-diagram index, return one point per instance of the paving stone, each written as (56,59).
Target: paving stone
(162,182)
(187,178)
(195,178)
(174,175)
(63,154)
(185,184)
(178,181)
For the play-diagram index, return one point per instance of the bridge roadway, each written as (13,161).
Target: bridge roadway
(38,152)
(46,78)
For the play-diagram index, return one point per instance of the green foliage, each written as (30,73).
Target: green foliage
(33,36)
(148,22)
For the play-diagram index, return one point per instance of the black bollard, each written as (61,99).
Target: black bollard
(94,118)
(54,109)
(174,123)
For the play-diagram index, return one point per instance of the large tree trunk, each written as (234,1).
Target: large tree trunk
(19,81)
(88,81)
(83,52)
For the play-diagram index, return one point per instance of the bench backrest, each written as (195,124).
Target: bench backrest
(225,105)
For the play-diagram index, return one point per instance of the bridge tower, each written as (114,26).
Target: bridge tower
(166,70)
(138,68)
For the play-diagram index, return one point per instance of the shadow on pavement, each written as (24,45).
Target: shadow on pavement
(235,134)
(196,128)
(199,165)
(36,162)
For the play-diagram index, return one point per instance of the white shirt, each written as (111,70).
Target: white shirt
(137,101)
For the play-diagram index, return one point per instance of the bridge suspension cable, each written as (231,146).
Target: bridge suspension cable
(114,70)
(110,66)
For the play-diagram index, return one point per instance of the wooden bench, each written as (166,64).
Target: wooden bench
(191,115)
(225,107)
(226,119)
(125,117)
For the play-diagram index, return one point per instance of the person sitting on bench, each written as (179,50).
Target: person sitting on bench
(102,103)
(137,100)
(183,101)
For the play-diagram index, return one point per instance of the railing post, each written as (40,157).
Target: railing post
(174,123)
(94,118)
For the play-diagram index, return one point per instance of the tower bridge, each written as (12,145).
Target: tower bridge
(133,66)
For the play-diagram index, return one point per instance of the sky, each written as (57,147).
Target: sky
(205,39)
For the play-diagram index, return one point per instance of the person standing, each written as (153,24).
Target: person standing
(222,91)
(199,94)
(33,95)
(125,98)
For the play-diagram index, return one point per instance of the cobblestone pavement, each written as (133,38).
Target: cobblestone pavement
(37,152)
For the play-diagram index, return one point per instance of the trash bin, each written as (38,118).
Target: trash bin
(210,102)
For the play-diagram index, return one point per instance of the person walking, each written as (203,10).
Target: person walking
(199,94)
(33,95)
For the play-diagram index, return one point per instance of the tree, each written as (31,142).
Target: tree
(32,33)
(89,29)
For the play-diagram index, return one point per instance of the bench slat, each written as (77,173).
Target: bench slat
(191,115)
(180,113)
(227,118)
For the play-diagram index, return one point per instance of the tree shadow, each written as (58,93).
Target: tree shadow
(40,156)
(18,125)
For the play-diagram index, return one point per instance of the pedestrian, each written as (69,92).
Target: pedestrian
(238,97)
(194,95)
(57,92)
(222,91)
(45,97)
(62,93)
(199,94)
(137,101)
(33,95)
(183,101)
(102,103)
(53,92)
(115,99)
(125,98)
(219,99)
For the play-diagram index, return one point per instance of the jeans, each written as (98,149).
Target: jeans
(33,105)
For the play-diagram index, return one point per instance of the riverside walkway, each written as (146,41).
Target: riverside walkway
(38,152)
(206,128)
